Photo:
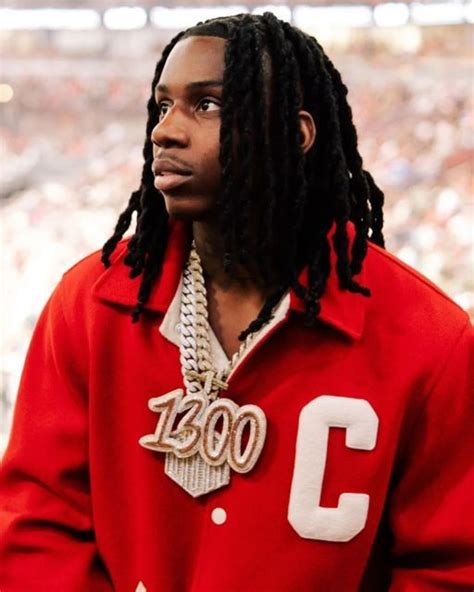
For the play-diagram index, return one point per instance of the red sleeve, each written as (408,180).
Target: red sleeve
(431,510)
(47,534)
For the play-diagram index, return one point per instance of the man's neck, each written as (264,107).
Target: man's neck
(210,247)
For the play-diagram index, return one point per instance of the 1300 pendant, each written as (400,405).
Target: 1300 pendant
(199,457)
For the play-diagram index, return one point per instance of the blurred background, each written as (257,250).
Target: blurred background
(75,78)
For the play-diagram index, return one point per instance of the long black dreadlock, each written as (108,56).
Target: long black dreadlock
(302,194)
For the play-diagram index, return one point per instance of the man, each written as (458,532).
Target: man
(266,422)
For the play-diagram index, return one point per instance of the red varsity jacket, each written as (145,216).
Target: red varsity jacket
(365,480)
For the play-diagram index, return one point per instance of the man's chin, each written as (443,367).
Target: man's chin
(186,209)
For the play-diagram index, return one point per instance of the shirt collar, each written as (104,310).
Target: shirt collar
(341,309)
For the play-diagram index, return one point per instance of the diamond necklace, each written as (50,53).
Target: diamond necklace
(198,456)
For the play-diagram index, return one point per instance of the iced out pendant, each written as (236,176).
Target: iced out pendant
(195,475)
(198,456)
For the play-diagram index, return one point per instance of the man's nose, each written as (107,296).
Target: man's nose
(170,129)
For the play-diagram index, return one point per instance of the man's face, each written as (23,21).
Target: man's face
(187,133)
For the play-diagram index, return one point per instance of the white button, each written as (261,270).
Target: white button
(178,327)
(219,516)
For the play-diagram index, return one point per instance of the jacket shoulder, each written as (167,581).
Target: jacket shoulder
(77,281)
(404,296)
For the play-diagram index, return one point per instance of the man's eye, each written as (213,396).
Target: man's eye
(160,107)
(209,101)
(201,102)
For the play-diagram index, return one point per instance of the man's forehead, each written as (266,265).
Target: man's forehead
(193,60)
(198,45)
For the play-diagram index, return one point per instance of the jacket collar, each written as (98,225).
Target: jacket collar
(341,309)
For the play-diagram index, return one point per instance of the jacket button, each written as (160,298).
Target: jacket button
(219,515)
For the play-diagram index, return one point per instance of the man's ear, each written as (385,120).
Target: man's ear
(307,130)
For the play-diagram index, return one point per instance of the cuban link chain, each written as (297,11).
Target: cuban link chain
(196,361)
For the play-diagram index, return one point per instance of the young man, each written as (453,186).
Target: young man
(266,422)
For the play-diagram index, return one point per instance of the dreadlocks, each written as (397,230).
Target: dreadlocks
(302,194)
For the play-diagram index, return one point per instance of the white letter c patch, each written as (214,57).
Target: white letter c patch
(308,518)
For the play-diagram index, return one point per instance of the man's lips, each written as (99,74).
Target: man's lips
(168,180)
(168,174)
(163,165)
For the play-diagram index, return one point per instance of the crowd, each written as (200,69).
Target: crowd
(71,155)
